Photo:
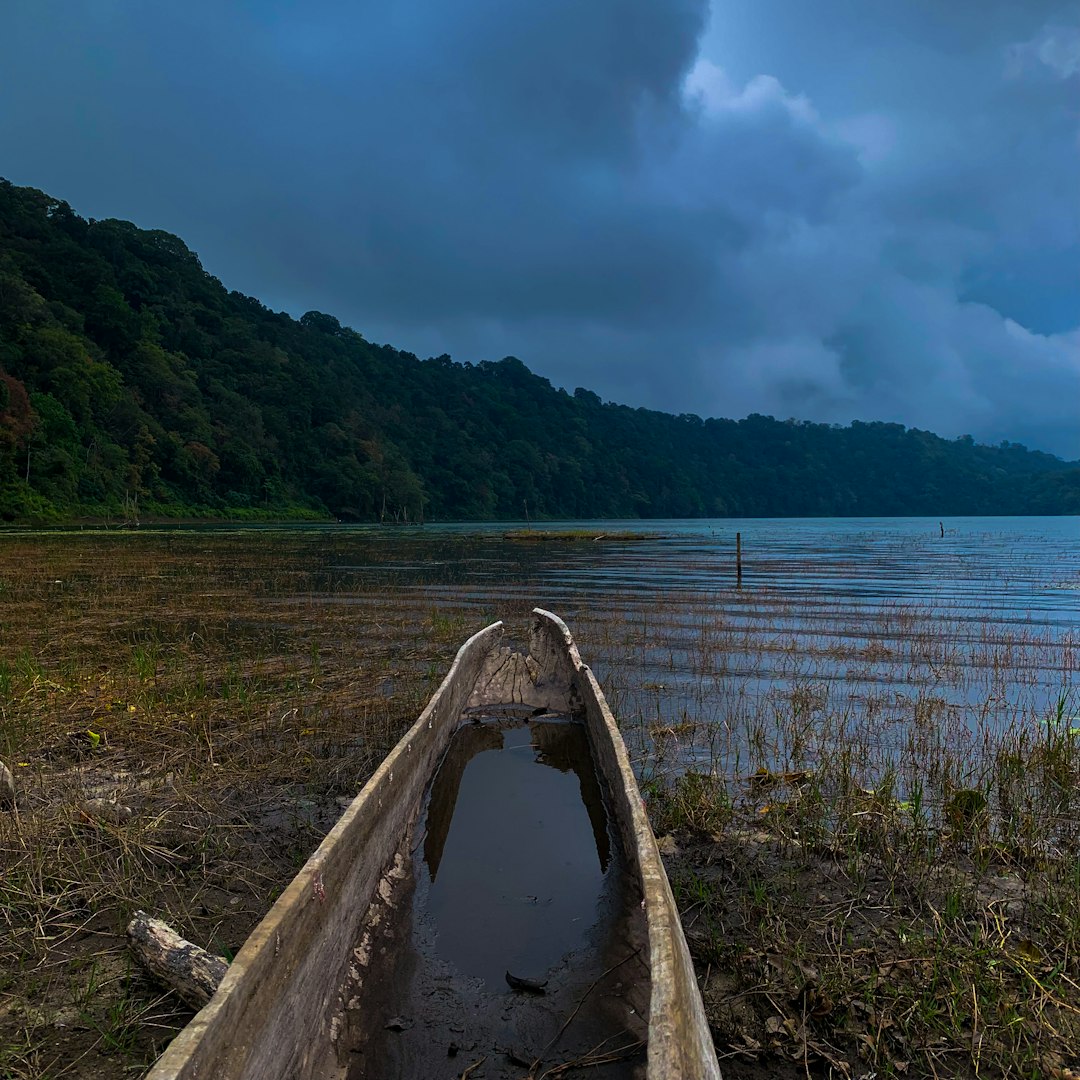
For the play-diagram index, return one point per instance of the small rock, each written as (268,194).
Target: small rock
(107,810)
(666,845)
(398,1023)
(531,986)
(70,1017)
(7,788)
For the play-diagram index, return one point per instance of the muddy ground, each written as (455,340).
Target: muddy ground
(821,963)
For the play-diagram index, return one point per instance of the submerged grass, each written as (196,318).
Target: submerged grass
(869,812)
(548,536)
(878,876)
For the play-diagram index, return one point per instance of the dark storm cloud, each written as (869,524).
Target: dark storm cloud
(812,210)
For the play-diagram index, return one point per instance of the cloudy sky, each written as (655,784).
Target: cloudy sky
(833,210)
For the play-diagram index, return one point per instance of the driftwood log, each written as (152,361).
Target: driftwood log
(7,788)
(191,972)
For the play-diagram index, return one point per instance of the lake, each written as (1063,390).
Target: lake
(874,634)
(870,624)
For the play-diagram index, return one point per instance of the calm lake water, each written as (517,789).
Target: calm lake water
(875,620)
(1020,567)
(866,632)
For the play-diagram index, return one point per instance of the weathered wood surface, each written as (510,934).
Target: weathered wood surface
(279,1008)
(680,1044)
(181,965)
(542,678)
(281,1004)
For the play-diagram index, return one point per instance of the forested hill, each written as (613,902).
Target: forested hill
(129,377)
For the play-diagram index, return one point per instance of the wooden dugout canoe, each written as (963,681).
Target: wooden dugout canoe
(284,1002)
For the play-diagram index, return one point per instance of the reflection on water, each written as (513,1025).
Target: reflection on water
(515,869)
(516,849)
(1012,566)
(883,621)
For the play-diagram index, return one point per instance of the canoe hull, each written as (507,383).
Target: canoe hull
(280,1008)
(680,1044)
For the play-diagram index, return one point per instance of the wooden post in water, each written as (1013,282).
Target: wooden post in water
(738,560)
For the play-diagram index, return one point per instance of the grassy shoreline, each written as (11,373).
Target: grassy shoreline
(185,713)
(843,930)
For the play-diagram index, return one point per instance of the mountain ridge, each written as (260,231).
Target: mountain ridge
(132,381)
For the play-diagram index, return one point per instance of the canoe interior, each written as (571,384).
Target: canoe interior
(515,868)
(283,1009)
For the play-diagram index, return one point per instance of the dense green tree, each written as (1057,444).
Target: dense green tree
(127,373)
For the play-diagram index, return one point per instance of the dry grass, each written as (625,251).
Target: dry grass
(581,536)
(182,715)
(873,804)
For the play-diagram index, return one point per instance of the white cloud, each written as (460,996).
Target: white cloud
(573,183)
(707,87)
(1055,48)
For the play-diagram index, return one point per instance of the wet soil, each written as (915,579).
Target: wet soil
(512,944)
(819,963)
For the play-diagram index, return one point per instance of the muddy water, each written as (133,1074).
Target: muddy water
(516,850)
(516,904)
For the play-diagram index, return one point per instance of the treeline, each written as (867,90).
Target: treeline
(133,383)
